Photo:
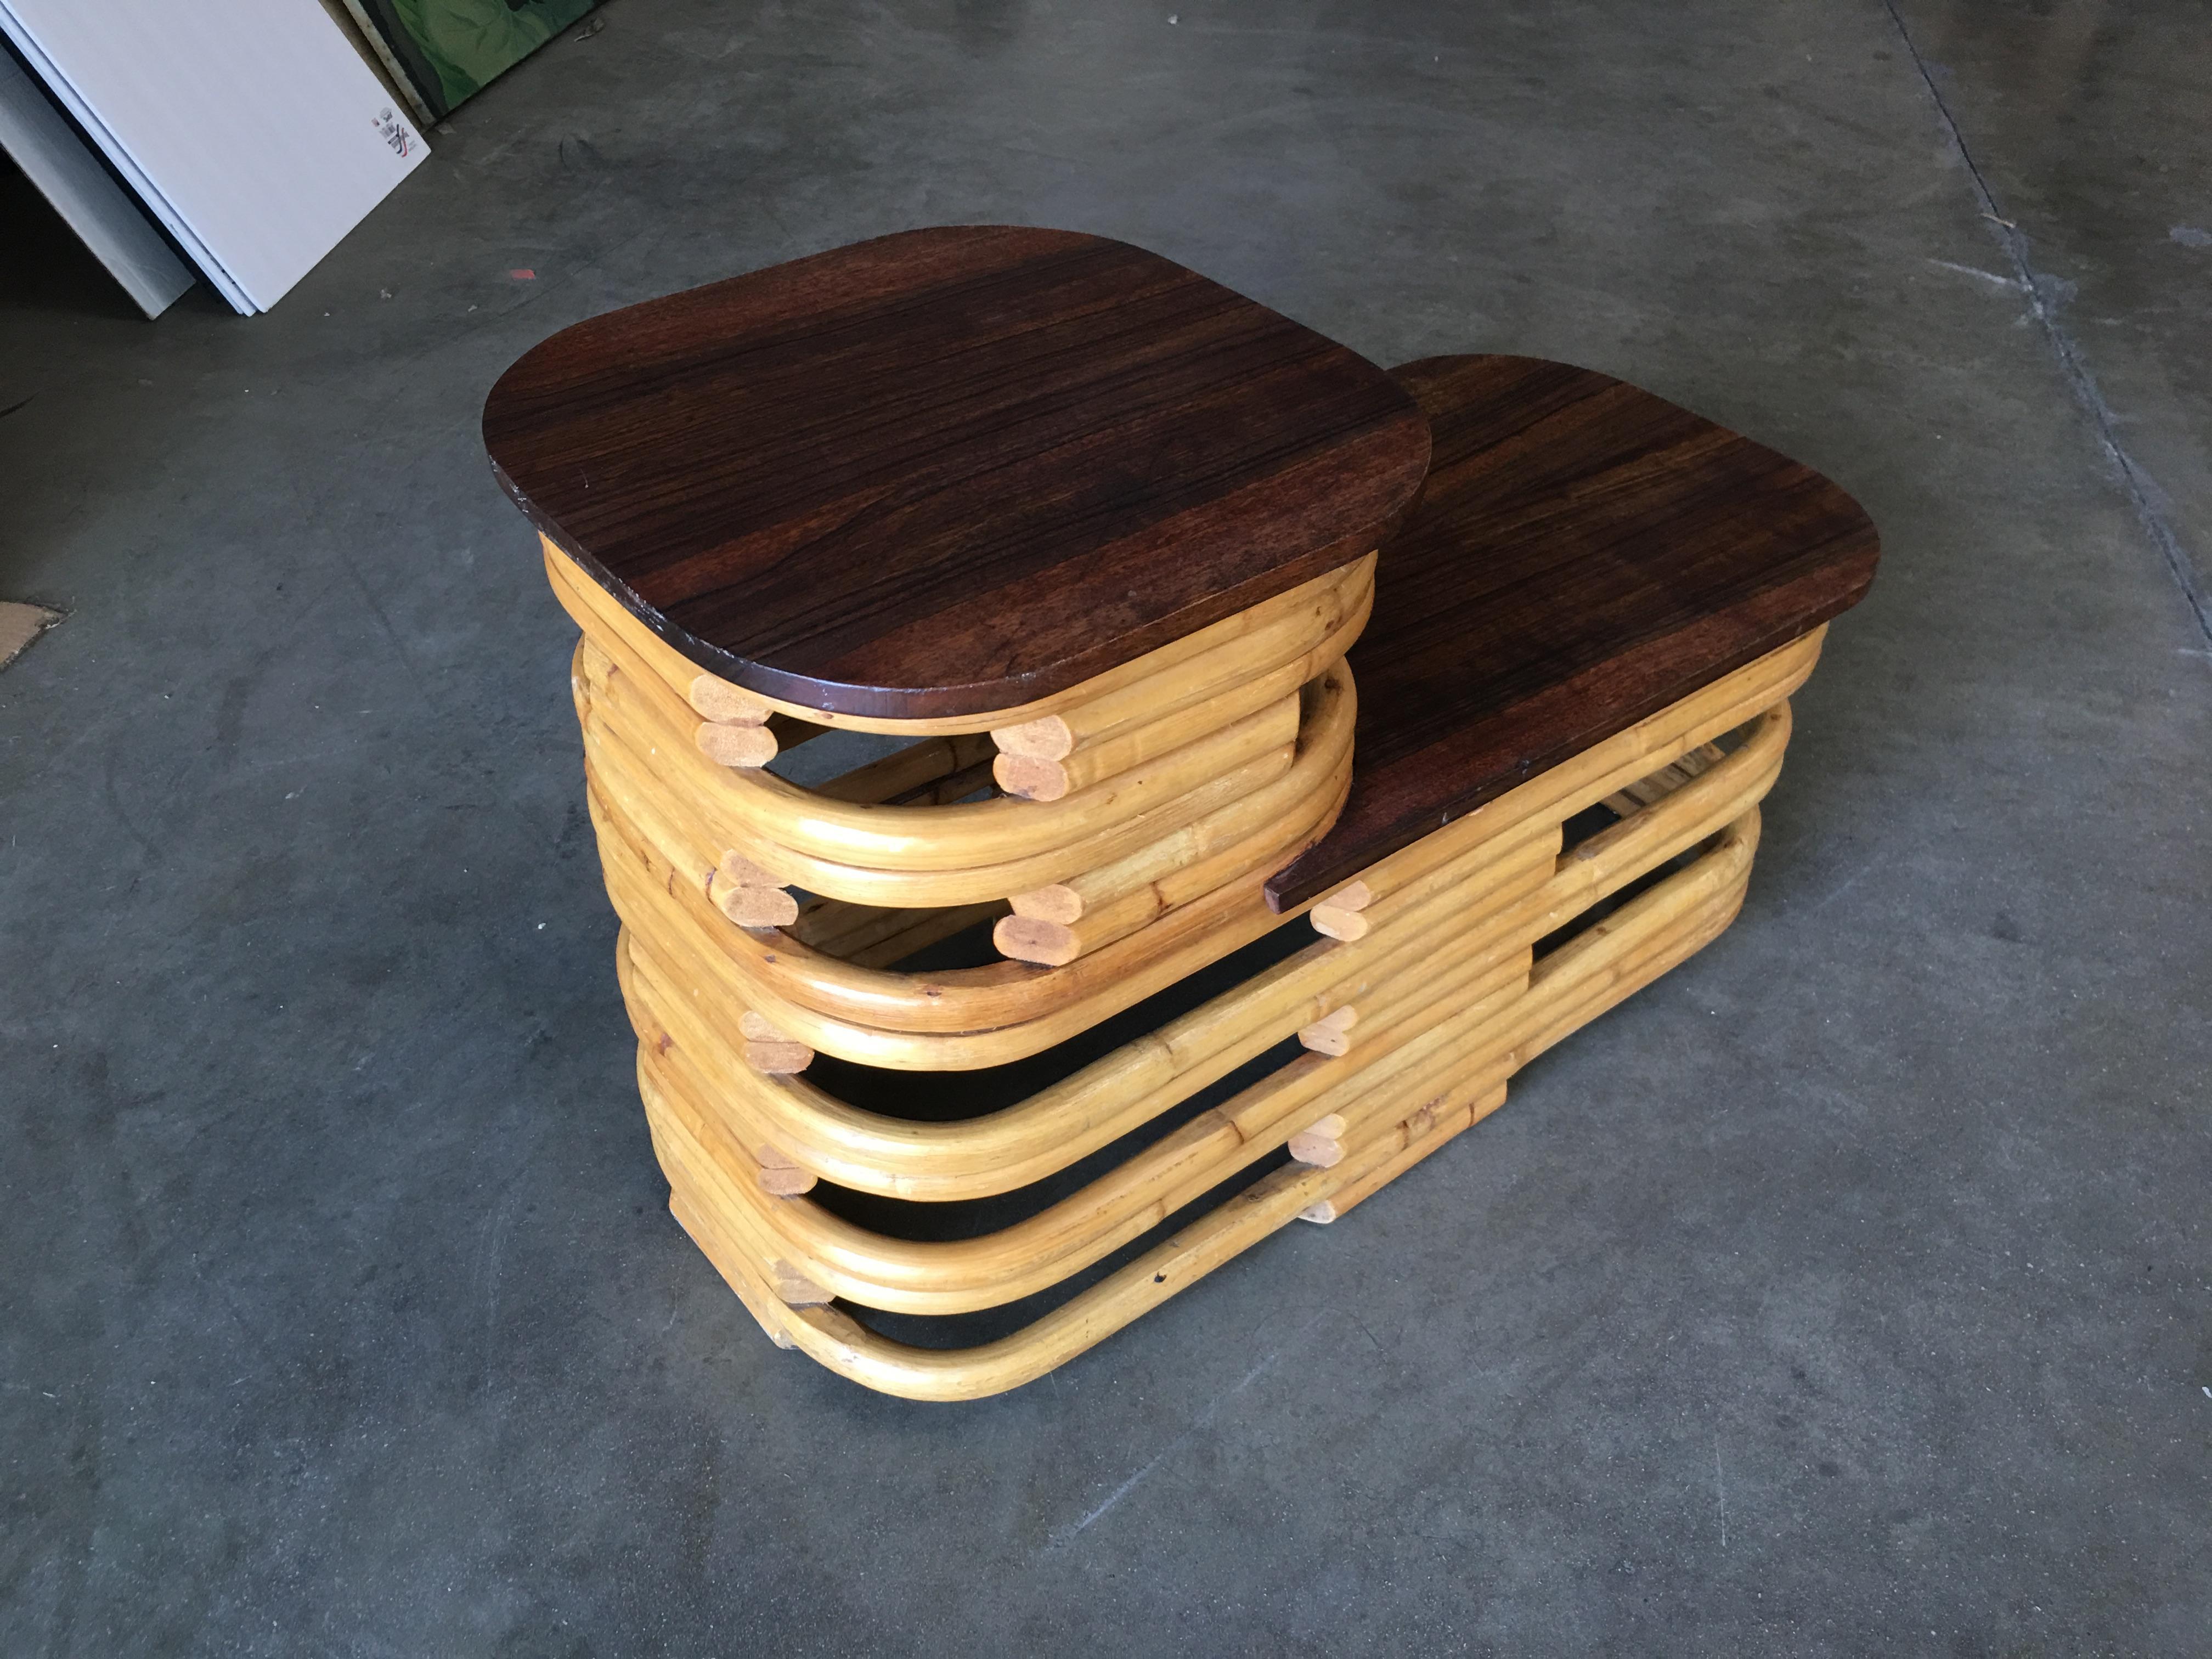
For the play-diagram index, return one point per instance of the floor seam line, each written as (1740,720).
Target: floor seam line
(2178,563)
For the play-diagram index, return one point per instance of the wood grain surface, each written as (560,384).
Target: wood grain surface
(1582,555)
(950,471)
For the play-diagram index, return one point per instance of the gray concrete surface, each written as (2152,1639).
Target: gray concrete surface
(1846,1293)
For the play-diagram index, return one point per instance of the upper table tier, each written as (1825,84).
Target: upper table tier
(1583,555)
(949,471)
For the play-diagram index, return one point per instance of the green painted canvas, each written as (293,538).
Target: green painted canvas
(444,52)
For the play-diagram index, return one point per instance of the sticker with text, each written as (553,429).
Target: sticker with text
(394,132)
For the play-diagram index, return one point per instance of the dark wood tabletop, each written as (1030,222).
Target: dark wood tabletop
(1583,555)
(953,470)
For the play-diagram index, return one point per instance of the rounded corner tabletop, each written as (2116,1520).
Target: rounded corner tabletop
(1583,553)
(949,471)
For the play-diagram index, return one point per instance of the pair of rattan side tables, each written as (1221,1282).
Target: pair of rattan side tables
(1186,623)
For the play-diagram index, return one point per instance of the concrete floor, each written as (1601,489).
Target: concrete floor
(1847,1292)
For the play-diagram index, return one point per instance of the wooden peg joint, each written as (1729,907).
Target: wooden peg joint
(796,1289)
(1030,778)
(1331,1034)
(1057,903)
(1026,938)
(726,704)
(750,896)
(757,907)
(1049,739)
(1321,1144)
(746,746)
(780,1176)
(1338,916)
(779,1058)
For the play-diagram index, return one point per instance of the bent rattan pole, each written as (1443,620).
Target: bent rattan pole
(1587,877)
(844,1345)
(1577,881)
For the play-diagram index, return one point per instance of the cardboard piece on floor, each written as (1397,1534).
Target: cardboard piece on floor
(19,625)
(250,128)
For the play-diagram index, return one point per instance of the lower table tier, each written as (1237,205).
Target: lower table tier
(1473,955)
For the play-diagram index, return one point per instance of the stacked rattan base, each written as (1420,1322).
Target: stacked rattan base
(1414,1018)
